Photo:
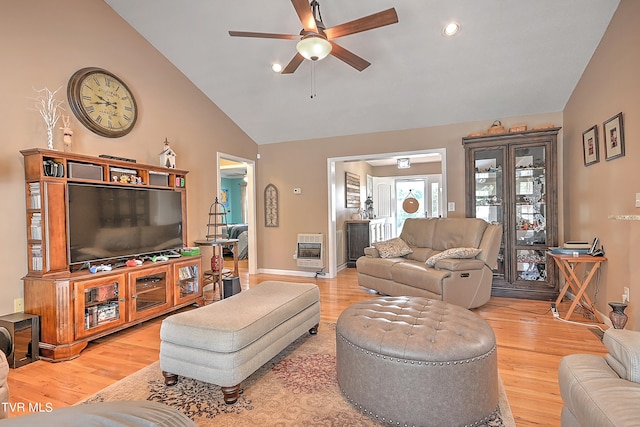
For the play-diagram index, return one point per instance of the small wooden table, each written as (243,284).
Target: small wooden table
(215,277)
(567,264)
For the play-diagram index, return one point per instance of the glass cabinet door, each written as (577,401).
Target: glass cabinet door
(530,210)
(489,193)
(511,179)
(187,280)
(149,291)
(99,304)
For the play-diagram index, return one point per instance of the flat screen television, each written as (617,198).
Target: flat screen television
(111,222)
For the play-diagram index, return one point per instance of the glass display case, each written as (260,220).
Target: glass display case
(149,292)
(187,279)
(100,304)
(511,180)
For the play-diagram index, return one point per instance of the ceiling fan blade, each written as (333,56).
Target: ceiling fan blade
(293,64)
(303,9)
(348,57)
(264,35)
(380,19)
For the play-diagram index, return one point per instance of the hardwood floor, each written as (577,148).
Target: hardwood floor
(530,345)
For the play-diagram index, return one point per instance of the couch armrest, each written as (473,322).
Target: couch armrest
(624,353)
(371,252)
(455,264)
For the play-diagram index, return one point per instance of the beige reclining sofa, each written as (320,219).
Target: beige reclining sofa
(450,259)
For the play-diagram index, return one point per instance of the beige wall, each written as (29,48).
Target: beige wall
(304,164)
(43,43)
(608,86)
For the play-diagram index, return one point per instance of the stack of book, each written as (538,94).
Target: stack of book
(575,246)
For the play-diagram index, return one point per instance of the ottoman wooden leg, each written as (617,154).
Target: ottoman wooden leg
(314,330)
(169,378)
(230,394)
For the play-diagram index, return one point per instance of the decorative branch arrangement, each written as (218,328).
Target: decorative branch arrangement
(49,107)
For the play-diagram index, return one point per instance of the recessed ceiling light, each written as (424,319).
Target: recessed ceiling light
(276,67)
(450,29)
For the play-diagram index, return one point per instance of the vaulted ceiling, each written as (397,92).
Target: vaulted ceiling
(511,57)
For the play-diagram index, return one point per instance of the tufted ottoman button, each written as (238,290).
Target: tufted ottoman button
(418,361)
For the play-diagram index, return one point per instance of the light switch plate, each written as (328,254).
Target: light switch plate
(297,190)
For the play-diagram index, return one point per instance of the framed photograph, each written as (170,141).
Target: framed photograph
(352,184)
(590,146)
(613,137)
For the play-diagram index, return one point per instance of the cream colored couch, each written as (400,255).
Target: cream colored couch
(605,391)
(464,282)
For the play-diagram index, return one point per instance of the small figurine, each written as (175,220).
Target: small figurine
(67,133)
(168,156)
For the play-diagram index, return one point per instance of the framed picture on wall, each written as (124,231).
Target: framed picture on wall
(613,137)
(352,190)
(590,146)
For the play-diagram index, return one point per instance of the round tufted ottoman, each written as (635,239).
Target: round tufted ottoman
(413,361)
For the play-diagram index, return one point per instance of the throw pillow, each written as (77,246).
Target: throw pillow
(392,248)
(460,253)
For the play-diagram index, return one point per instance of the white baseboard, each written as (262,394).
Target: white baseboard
(290,273)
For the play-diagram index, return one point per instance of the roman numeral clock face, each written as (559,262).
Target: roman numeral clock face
(102,102)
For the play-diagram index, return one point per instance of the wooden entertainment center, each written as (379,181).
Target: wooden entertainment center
(78,306)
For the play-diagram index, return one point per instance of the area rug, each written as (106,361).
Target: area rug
(296,388)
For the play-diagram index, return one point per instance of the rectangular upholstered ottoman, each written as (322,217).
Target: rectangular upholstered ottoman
(225,342)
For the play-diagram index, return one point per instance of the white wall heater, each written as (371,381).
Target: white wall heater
(310,250)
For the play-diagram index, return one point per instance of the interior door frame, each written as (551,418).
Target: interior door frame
(332,269)
(251,204)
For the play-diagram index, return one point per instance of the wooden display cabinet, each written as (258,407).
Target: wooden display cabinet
(511,179)
(76,306)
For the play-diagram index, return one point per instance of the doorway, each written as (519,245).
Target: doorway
(426,190)
(240,172)
(337,200)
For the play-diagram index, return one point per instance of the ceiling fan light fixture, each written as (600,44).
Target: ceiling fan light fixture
(314,47)
(276,67)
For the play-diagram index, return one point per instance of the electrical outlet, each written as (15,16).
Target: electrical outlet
(18,305)
(297,190)
(625,294)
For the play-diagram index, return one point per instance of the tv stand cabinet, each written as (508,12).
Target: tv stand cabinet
(80,306)
(76,307)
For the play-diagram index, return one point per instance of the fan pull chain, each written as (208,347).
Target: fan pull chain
(313,79)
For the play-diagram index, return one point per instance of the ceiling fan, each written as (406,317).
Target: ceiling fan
(316,41)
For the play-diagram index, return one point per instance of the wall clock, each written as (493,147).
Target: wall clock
(102,102)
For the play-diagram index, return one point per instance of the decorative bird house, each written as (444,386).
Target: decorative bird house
(168,156)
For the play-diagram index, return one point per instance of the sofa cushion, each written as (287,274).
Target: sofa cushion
(458,233)
(377,267)
(624,353)
(418,232)
(456,253)
(419,275)
(421,254)
(395,247)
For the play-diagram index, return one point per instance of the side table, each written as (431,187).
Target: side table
(567,265)
(215,277)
